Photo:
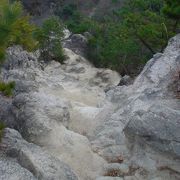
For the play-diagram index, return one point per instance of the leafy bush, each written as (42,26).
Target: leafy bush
(7,88)
(14,27)
(112,48)
(126,38)
(78,26)
(49,37)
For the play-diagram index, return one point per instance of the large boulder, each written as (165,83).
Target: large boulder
(10,170)
(77,43)
(28,161)
(155,108)
(143,129)
(149,109)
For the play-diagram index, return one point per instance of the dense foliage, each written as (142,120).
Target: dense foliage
(123,40)
(128,37)
(49,37)
(14,27)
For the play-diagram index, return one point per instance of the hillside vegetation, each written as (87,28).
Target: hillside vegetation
(15,29)
(122,39)
(128,36)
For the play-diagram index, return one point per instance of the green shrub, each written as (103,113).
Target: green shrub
(14,27)
(7,88)
(49,37)
(111,48)
(128,39)
(125,38)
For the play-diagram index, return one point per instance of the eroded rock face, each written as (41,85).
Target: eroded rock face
(155,111)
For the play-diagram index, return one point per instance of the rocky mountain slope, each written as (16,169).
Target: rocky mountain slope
(71,121)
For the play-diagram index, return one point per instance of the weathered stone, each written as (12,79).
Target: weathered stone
(155,114)
(10,170)
(77,43)
(34,159)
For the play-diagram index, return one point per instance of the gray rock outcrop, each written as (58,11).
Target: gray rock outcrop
(147,117)
(77,43)
(55,106)
(10,170)
(155,109)
(30,158)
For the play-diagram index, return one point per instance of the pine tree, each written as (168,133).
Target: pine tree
(14,27)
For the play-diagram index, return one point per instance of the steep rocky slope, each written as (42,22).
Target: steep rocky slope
(76,123)
(55,106)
